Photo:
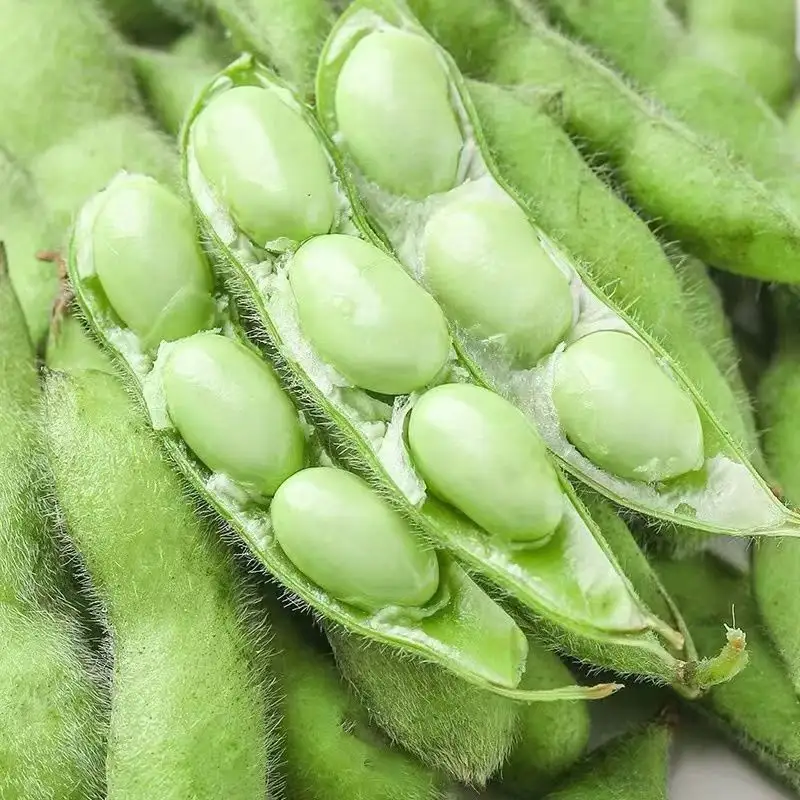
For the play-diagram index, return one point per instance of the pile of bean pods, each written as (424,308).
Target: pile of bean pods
(386,384)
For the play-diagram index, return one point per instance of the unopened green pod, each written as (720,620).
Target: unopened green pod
(636,765)
(461,730)
(242,445)
(191,708)
(759,712)
(52,706)
(330,748)
(610,404)
(76,84)
(776,565)
(731,221)
(282,289)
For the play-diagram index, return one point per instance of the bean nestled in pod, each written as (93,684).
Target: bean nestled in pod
(478,452)
(485,265)
(265,164)
(390,80)
(366,316)
(230,409)
(147,259)
(623,412)
(340,534)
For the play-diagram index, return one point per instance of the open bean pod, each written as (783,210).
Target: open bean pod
(368,356)
(527,322)
(147,292)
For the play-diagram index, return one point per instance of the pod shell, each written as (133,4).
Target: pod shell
(478,452)
(623,411)
(365,316)
(485,265)
(265,164)
(347,540)
(390,81)
(230,410)
(146,255)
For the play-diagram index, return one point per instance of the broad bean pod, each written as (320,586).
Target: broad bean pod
(718,210)
(465,732)
(52,704)
(759,712)
(633,766)
(377,359)
(244,448)
(608,401)
(191,705)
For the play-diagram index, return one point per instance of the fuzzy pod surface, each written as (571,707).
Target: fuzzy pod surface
(633,767)
(760,710)
(52,716)
(459,729)
(190,711)
(62,68)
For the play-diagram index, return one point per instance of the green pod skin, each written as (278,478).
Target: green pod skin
(285,35)
(176,301)
(340,534)
(651,434)
(252,434)
(424,159)
(330,749)
(190,712)
(646,42)
(672,473)
(499,476)
(86,81)
(579,607)
(678,304)
(284,188)
(773,20)
(82,164)
(223,397)
(52,710)
(400,345)
(634,766)
(775,567)
(759,712)
(485,265)
(467,733)
(713,205)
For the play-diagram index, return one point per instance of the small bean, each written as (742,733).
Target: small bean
(340,534)
(366,316)
(380,132)
(266,164)
(149,263)
(229,407)
(622,411)
(498,475)
(485,265)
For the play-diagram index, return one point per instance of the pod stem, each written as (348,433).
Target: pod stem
(674,638)
(597,692)
(728,663)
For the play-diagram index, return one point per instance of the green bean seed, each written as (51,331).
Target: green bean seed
(149,263)
(229,407)
(366,316)
(266,165)
(382,133)
(622,411)
(484,264)
(340,534)
(499,475)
